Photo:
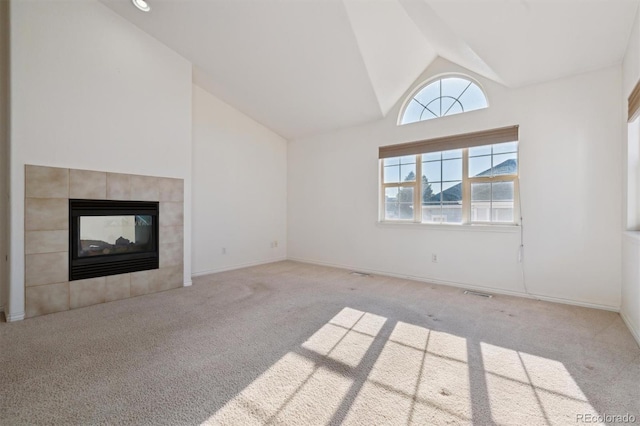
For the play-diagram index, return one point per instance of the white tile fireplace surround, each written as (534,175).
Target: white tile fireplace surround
(47,194)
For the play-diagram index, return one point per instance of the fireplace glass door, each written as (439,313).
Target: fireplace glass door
(112,237)
(108,235)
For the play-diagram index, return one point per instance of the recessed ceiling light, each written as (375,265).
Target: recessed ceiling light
(142,5)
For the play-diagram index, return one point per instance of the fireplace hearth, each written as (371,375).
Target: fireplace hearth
(109,237)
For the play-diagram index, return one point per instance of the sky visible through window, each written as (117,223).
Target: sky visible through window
(446,166)
(447,96)
(440,186)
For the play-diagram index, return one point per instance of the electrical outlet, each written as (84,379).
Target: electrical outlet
(434,258)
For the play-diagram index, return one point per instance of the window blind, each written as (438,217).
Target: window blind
(466,140)
(634,102)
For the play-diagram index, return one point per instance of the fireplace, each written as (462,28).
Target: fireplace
(112,237)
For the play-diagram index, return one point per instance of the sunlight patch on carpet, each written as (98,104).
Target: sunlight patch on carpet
(362,368)
(542,388)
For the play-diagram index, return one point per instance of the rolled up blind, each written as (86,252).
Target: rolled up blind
(634,102)
(466,140)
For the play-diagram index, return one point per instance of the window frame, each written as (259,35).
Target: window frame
(430,81)
(466,193)
(401,184)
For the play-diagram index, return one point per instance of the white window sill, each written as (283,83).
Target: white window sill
(507,228)
(633,235)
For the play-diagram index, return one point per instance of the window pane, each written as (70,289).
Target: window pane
(505,164)
(502,191)
(406,210)
(405,197)
(391,211)
(454,86)
(457,95)
(502,211)
(456,108)
(480,202)
(408,172)
(502,205)
(391,174)
(480,150)
(431,192)
(412,113)
(429,93)
(431,171)
(502,148)
(452,213)
(391,161)
(432,110)
(446,103)
(492,202)
(480,211)
(432,212)
(398,203)
(454,153)
(431,156)
(408,159)
(452,170)
(480,192)
(473,98)
(391,194)
(452,191)
(480,166)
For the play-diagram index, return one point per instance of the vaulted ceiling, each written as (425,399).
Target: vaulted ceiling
(302,67)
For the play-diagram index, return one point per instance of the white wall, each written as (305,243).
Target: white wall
(239,188)
(570,186)
(630,309)
(4,144)
(92,91)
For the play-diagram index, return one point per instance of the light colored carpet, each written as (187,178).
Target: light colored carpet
(290,343)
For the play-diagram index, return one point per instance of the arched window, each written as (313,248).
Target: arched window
(445,96)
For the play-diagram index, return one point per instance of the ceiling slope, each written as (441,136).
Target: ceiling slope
(394,50)
(302,67)
(446,42)
(293,66)
(530,41)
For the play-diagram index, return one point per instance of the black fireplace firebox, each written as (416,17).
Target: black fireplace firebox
(112,237)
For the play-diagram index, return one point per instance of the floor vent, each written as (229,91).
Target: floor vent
(477,293)
(360,274)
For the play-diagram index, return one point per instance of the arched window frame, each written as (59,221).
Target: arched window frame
(432,80)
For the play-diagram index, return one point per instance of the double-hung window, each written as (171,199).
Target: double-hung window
(462,179)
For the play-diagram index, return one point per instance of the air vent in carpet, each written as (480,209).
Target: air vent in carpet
(477,293)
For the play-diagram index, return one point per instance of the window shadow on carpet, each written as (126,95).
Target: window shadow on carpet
(363,368)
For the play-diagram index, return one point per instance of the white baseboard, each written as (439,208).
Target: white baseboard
(572,302)
(632,328)
(18,316)
(187,283)
(237,266)
(467,286)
